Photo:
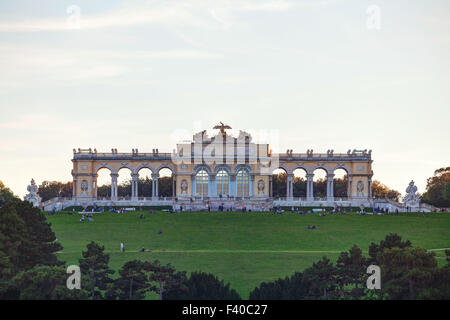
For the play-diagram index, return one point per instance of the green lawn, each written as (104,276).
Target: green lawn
(241,248)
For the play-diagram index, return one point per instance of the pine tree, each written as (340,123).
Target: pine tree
(95,271)
(46,283)
(132,283)
(164,276)
(26,238)
(392,240)
(322,278)
(351,270)
(407,272)
(203,286)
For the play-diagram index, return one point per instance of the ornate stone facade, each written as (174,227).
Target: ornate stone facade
(222,167)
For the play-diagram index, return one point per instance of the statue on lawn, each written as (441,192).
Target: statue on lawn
(32,195)
(411,199)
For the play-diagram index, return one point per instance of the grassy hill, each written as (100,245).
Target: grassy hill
(241,248)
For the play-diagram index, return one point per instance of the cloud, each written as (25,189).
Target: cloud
(24,65)
(198,13)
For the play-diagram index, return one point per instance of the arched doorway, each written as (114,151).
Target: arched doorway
(319,191)
(222,183)
(124,177)
(299,183)
(102,188)
(165,185)
(340,184)
(201,183)
(145,183)
(243,183)
(279,183)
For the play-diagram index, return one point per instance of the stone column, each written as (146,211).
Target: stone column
(370,188)
(233,185)
(270,186)
(289,187)
(251,187)
(114,186)
(174,185)
(94,180)
(212,188)
(192,185)
(74,188)
(330,187)
(310,187)
(349,188)
(134,185)
(155,177)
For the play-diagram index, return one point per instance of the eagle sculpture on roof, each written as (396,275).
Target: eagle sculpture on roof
(222,128)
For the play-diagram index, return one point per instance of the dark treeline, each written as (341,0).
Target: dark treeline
(407,272)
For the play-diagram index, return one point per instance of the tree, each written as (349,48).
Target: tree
(95,270)
(351,270)
(322,279)
(25,236)
(295,287)
(380,190)
(201,286)
(165,186)
(299,186)
(340,187)
(132,283)
(392,240)
(45,283)
(438,188)
(320,188)
(6,194)
(145,186)
(279,185)
(164,276)
(407,272)
(53,189)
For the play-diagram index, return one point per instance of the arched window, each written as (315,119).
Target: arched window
(242,181)
(222,182)
(201,183)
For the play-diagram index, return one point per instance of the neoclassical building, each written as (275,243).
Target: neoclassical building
(222,169)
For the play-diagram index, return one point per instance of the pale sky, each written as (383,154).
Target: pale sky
(322,74)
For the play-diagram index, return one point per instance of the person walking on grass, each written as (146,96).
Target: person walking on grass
(122,247)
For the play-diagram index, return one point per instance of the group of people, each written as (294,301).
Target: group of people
(88,216)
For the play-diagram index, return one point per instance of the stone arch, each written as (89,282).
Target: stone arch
(201,188)
(125,165)
(165,186)
(226,167)
(103,166)
(320,187)
(300,184)
(199,167)
(279,188)
(242,166)
(337,191)
(341,166)
(284,167)
(100,190)
(146,166)
(223,183)
(165,166)
(320,166)
(300,166)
